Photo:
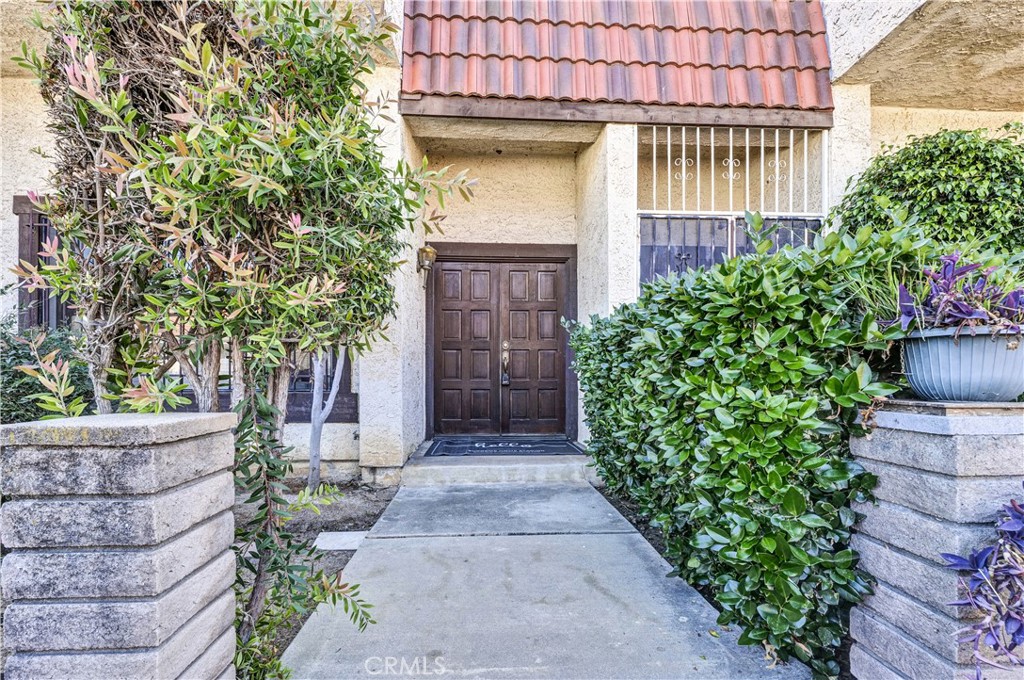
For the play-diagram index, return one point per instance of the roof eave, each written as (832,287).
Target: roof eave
(611,112)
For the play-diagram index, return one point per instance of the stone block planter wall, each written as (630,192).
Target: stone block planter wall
(117,531)
(944,471)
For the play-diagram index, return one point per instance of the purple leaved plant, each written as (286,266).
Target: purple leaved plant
(993,579)
(962,296)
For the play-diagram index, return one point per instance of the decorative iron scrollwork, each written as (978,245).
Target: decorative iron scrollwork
(778,173)
(730,165)
(679,163)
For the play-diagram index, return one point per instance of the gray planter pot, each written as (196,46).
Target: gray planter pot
(976,367)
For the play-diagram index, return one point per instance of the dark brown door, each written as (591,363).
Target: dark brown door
(466,358)
(533,401)
(499,355)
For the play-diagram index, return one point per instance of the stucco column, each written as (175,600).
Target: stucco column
(391,374)
(944,473)
(850,137)
(608,250)
(623,232)
(391,385)
(118,533)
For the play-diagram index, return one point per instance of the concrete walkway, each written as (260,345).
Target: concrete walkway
(519,581)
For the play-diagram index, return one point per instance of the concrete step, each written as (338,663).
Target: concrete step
(445,470)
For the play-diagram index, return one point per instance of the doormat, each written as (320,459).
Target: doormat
(502,446)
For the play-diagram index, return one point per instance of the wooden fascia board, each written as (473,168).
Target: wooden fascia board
(606,112)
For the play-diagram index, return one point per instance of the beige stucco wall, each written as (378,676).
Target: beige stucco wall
(946,54)
(861,129)
(391,375)
(605,203)
(608,254)
(592,225)
(855,27)
(22,128)
(850,138)
(893,125)
(519,198)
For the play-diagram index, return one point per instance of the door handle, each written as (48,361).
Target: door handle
(504,366)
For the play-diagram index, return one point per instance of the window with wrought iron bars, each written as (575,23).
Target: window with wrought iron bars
(300,389)
(40,309)
(37,309)
(695,183)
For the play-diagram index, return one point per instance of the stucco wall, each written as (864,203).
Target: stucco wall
(855,27)
(608,247)
(592,225)
(519,198)
(605,200)
(850,137)
(892,125)
(945,55)
(22,128)
(861,129)
(391,375)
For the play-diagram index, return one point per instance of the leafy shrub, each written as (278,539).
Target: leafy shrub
(17,389)
(993,579)
(722,402)
(228,195)
(964,185)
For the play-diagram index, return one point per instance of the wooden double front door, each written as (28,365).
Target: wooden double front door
(499,347)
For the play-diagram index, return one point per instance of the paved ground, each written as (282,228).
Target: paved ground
(517,581)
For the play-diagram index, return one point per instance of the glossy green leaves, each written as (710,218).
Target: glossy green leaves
(722,402)
(964,185)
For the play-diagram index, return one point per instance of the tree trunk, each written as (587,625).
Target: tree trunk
(203,376)
(99,357)
(239,391)
(316,420)
(207,389)
(321,409)
(278,382)
(277,393)
(98,376)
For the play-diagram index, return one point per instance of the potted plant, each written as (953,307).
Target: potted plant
(964,332)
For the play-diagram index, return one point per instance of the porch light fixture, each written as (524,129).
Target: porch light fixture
(425,258)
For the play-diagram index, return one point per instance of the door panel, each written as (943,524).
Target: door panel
(532,297)
(499,323)
(466,389)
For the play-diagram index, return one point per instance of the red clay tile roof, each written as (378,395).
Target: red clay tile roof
(704,53)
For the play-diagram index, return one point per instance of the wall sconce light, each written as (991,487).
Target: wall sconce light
(425,258)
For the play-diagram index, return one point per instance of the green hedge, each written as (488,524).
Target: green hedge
(964,185)
(16,388)
(722,402)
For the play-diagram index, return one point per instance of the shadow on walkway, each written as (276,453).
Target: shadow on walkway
(517,581)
